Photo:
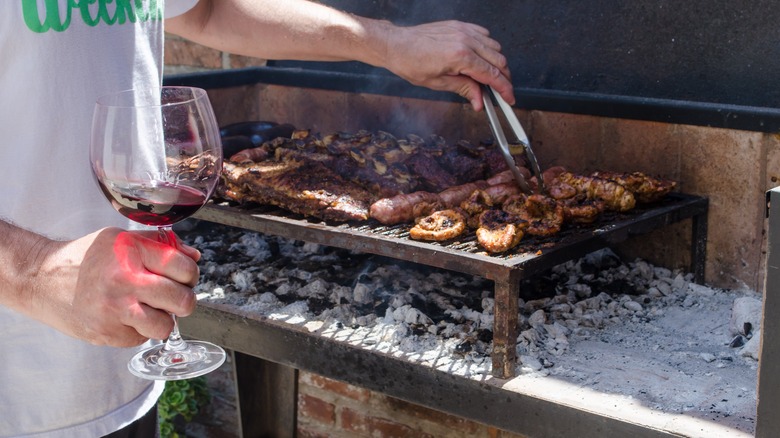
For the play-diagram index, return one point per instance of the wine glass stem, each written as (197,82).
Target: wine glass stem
(175,342)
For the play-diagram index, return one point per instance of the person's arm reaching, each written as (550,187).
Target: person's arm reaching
(448,55)
(111,287)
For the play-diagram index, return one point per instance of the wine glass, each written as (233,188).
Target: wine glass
(157,157)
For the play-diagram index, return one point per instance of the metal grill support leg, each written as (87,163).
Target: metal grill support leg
(507,292)
(699,246)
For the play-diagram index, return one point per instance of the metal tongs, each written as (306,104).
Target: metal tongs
(491,98)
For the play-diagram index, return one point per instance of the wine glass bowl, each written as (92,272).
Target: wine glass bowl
(157,157)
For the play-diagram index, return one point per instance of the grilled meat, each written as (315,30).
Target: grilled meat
(508,177)
(615,196)
(499,193)
(250,155)
(432,176)
(477,203)
(495,160)
(581,210)
(447,188)
(405,207)
(561,191)
(307,188)
(463,167)
(439,225)
(454,196)
(644,187)
(487,198)
(543,214)
(384,183)
(499,231)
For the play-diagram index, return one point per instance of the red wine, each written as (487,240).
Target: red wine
(153,203)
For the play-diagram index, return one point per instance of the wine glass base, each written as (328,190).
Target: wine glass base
(196,359)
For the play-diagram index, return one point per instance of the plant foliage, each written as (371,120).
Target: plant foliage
(180,402)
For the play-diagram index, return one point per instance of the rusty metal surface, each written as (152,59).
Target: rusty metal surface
(532,256)
(487,402)
(464,254)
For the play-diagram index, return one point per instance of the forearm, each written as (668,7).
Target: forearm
(290,29)
(448,55)
(110,287)
(22,255)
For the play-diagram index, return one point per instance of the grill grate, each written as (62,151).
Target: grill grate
(465,255)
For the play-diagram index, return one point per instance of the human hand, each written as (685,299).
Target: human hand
(449,56)
(117,287)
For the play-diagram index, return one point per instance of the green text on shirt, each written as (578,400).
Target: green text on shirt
(92,12)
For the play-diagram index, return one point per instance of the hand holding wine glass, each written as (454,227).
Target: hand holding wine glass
(157,157)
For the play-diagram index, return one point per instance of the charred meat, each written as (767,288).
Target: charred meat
(499,230)
(439,225)
(543,214)
(306,188)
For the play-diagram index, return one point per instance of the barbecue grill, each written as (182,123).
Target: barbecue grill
(675,95)
(237,96)
(507,270)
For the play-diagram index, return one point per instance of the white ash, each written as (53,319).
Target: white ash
(598,322)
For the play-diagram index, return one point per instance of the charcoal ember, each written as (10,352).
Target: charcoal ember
(620,286)
(362,294)
(464,347)
(485,335)
(633,306)
(437,315)
(745,316)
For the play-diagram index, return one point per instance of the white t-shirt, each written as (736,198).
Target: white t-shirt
(56,61)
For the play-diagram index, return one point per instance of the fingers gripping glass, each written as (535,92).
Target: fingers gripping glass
(157,157)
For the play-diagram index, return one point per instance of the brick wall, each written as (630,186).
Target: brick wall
(328,408)
(182,56)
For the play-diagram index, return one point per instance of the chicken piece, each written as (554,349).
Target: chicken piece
(615,196)
(439,225)
(487,198)
(561,191)
(476,203)
(581,210)
(543,214)
(644,187)
(499,231)
(550,174)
